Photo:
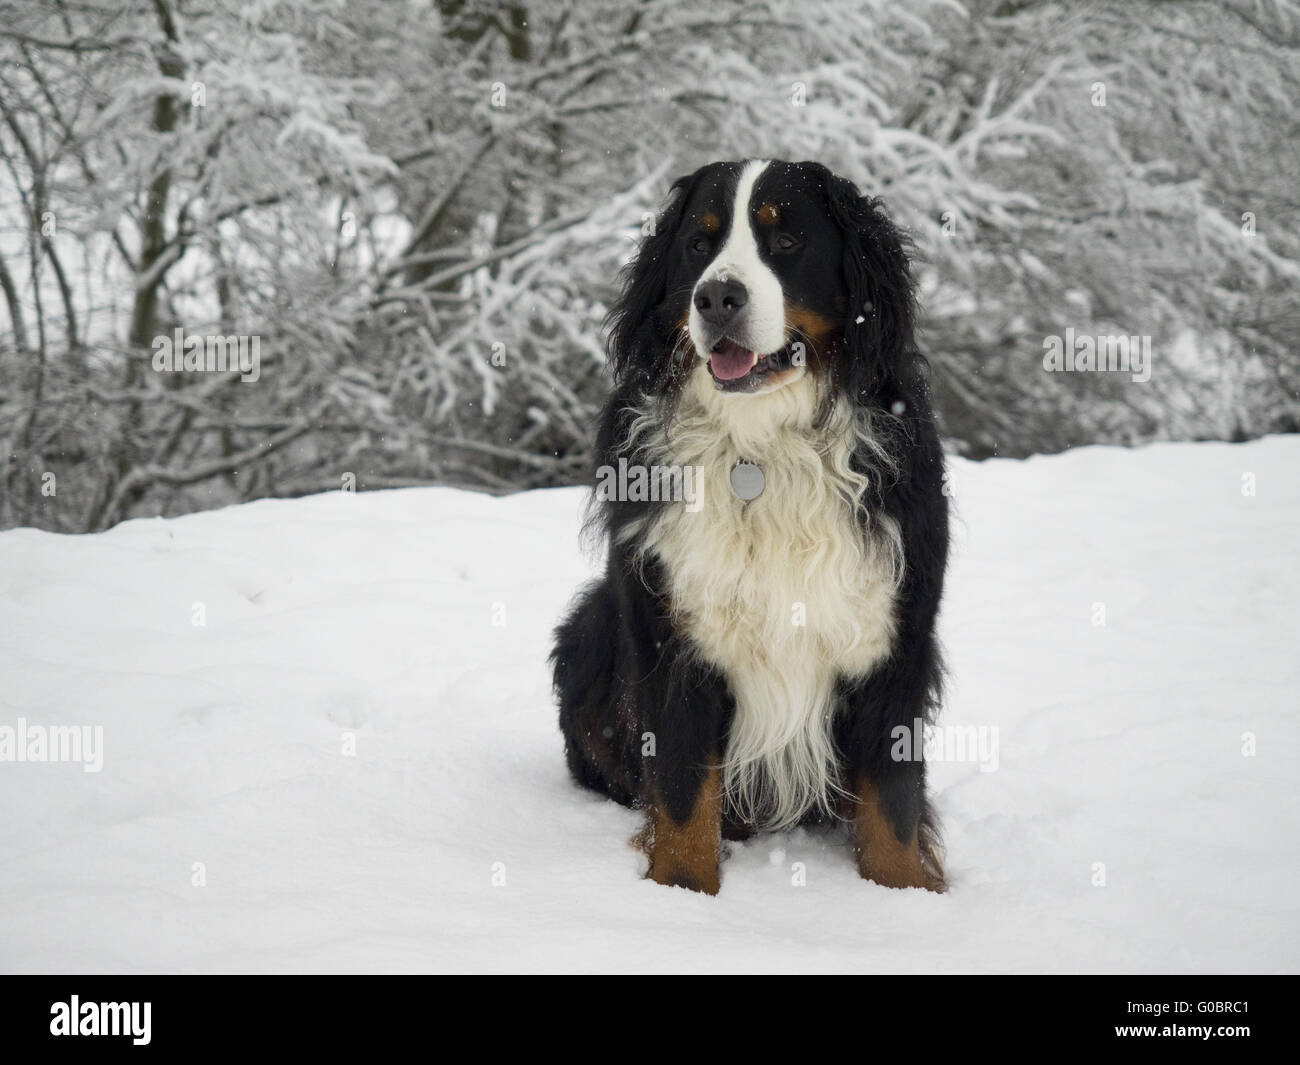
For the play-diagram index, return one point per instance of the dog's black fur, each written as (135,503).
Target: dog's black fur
(622,668)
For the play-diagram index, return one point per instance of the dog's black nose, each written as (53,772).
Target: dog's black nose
(718,301)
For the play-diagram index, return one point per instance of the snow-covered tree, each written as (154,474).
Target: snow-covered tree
(420,209)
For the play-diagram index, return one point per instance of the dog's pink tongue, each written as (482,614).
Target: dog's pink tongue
(731,361)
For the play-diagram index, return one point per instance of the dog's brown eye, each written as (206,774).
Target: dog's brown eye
(700,245)
(785,242)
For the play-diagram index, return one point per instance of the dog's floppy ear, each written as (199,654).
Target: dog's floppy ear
(639,344)
(878,328)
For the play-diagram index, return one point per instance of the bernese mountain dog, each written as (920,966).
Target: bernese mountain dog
(757,647)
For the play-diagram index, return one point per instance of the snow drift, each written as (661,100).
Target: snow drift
(328,743)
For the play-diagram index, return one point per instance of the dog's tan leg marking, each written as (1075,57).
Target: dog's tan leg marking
(687,855)
(882,856)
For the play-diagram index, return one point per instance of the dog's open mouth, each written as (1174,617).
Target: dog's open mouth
(737,369)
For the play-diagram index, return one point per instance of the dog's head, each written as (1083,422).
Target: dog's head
(758,273)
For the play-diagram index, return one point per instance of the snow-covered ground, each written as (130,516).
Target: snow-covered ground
(353,764)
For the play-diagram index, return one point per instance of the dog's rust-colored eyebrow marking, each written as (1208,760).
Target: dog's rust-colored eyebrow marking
(769,214)
(710,222)
(815,327)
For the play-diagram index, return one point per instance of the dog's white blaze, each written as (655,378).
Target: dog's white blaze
(739,260)
(784,593)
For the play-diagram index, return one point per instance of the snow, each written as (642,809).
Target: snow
(414,625)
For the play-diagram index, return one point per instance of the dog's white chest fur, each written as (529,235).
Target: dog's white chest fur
(784,593)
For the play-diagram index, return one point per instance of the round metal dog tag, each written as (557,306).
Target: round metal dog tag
(747,480)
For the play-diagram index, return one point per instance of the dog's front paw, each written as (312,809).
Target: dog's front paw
(686,853)
(910,873)
(693,876)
